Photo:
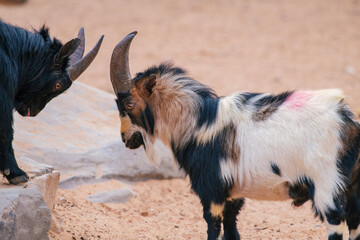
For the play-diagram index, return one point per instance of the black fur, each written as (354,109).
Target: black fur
(135,141)
(161,69)
(208,111)
(232,209)
(350,135)
(349,167)
(213,222)
(275,169)
(275,100)
(27,83)
(302,191)
(202,164)
(335,236)
(122,97)
(268,105)
(147,120)
(333,217)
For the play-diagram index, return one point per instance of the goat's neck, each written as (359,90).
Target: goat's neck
(181,125)
(177,120)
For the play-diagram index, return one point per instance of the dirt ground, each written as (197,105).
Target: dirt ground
(232,45)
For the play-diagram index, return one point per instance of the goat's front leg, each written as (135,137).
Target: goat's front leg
(232,209)
(8,165)
(213,214)
(12,171)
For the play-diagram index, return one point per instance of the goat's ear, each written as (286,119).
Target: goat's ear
(64,52)
(151,83)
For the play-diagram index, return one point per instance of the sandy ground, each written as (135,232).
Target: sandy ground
(233,45)
(167,209)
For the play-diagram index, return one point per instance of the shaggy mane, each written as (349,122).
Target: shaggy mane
(178,76)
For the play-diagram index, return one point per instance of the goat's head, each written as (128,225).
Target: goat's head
(133,96)
(53,79)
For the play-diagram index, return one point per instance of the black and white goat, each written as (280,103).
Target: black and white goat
(300,145)
(33,70)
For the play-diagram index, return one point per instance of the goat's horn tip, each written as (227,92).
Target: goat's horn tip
(132,34)
(100,40)
(81,31)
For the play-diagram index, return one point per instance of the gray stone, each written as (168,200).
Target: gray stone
(35,168)
(350,70)
(113,196)
(24,214)
(43,177)
(78,133)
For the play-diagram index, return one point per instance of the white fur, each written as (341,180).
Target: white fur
(339,229)
(302,143)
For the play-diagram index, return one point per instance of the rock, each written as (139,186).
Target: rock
(43,177)
(78,133)
(24,214)
(57,224)
(350,70)
(48,185)
(113,196)
(47,181)
(34,168)
(73,181)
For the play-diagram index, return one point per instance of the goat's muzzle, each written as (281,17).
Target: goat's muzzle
(135,141)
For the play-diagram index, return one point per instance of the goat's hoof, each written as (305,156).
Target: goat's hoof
(15,175)
(19,179)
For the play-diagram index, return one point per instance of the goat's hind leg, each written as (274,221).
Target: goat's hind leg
(335,223)
(230,213)
(330,207)
(353,217)
(331,210)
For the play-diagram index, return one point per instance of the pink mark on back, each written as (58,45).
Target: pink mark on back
(297,100)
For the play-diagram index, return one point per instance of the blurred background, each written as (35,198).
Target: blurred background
(233,45)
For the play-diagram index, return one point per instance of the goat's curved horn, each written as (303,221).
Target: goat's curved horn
(78,64)
(79,52)
(119,65)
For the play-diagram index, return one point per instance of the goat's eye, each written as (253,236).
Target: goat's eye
(57,86)
(130,106)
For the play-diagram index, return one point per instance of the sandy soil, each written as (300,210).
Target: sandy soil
(252,45)
(167,209)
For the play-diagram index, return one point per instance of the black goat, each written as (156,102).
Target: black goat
(33,69)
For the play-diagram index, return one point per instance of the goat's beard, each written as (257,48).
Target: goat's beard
(156,150)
